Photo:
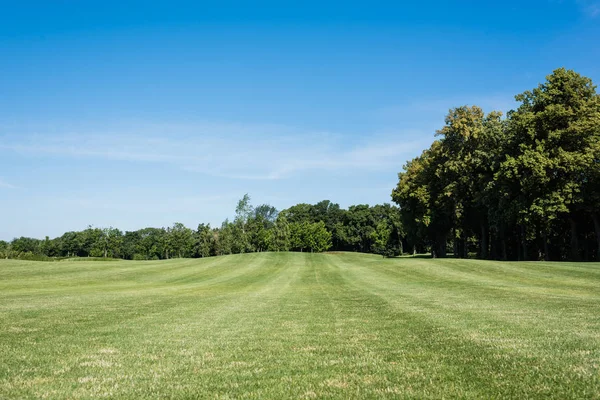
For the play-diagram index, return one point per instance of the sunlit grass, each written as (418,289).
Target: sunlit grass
(291,325)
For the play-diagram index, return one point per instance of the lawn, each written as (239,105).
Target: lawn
(293,325)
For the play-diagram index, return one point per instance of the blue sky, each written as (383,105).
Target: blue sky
(134,114)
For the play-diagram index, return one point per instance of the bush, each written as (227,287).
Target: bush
(29,256)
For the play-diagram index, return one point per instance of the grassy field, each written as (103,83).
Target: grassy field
(285,325)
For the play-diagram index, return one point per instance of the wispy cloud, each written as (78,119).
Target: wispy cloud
(143,203)
(591,8)
(234,151)
(6,185)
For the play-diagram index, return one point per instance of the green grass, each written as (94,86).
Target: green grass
(299,326)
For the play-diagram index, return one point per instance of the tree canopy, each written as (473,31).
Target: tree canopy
(511,188)
(303,227)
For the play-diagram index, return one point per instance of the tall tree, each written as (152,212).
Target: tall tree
(317,237)
(551,149)
(180,240)
(110,242)
(279,239)
(205,240)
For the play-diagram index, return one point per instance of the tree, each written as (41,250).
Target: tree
(151,244)
(130,246)
(224,239)
(258,226)
(298,213)
(280,235)
(243,210)
(70,246)
(465,170)
(25,245)
(414,196)
(386,236)
(298,232)
(180,240)
(267,214)
(552,148)
(205,240)
(359,226)
(512,186)
(318,238)
(243,213)
(380,238)
(111,242)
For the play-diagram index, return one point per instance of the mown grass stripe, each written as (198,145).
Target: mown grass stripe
(290,325)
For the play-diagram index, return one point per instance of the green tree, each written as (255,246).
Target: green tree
(110,242)
(380,238)
(180,240)
(386,237)
(205,240)
(317,237)
(224,239)
(25,245)
(550,152)
(298,232)
(298,213)
(279,235)
(4,249)
(70,244)
(414,196)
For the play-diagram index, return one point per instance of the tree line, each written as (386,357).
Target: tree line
(303,227)
(524,187)
(521,187)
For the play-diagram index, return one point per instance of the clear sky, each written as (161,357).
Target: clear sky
(134,114)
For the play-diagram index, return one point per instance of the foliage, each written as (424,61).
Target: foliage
(523,187)
(514,188)
(303,227)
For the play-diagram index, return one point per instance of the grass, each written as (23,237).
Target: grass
(286,325)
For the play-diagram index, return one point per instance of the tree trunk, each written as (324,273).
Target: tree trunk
(493,238)
(586,250)
(484,241)
(523,243)
(546,248)
(441,245)
(574,240)
(501,232)
(596,220)
(454,243)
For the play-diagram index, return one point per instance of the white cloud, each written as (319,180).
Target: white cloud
(143,202)
(235,151)
(6,185)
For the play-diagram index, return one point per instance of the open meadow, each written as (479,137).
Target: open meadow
(299,325)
